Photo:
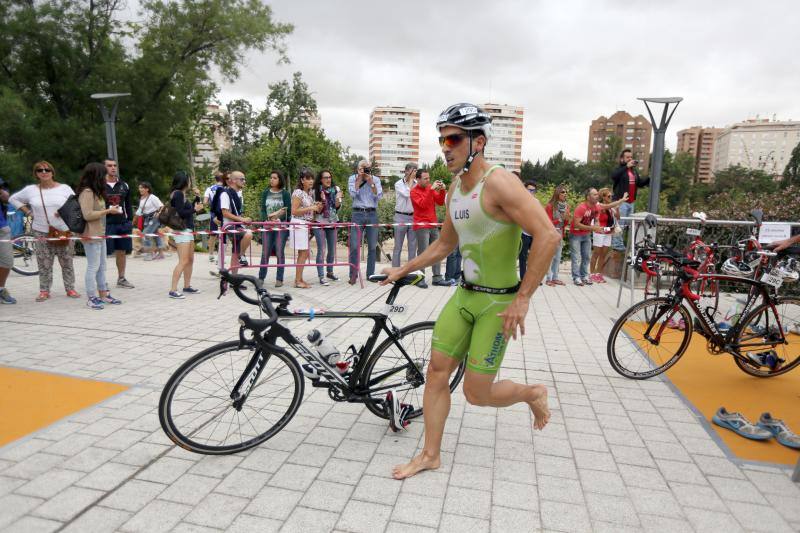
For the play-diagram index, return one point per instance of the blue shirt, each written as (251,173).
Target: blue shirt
(364,197)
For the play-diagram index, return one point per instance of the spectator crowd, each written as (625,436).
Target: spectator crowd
(290,214)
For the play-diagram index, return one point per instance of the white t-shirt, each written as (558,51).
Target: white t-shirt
(225,203)
(402,196)
(148,205)
(209,194)
(53,199)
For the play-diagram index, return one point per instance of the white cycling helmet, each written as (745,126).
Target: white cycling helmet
(789,275)
(732,267)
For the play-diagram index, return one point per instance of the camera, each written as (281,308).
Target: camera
(367,170)
(636,162)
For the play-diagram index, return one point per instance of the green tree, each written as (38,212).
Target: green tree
(609,157)
(53,55)
(791,174)
(738,179)
(438,171)
(677,177)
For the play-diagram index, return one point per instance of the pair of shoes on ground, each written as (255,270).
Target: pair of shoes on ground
(180,295)
(581,282)
(597,278)
(98,302)
(323,280)
(766,428)
(45,295)
(553,282)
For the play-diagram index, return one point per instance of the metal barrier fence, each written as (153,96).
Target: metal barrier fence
(672,232)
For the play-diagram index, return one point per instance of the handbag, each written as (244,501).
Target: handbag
(72,215)
(169,216)
(54,233)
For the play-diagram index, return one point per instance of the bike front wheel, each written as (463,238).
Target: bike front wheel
(387,368)
(24,260)
(760,332)
(649,338)
(196,410)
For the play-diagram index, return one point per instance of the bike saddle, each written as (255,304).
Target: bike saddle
(409,279)
(758,215)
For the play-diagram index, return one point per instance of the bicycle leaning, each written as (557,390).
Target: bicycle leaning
(764,341)
(237,394)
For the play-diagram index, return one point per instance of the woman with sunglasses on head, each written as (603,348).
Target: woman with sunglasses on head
(601,242)
(42,201)
(276,205)
(303,209)
(558,212)
(91,196)
(184,243)
(330,197)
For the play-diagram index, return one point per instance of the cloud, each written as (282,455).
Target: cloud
(566,63)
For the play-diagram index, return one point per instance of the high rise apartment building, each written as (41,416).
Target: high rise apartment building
(635,133)
(699,142)
(505,145)
(211,138)
(393,139)
(758,144)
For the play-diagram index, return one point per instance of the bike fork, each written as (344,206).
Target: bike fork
(248,378)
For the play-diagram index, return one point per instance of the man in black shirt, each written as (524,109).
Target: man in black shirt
(118,193)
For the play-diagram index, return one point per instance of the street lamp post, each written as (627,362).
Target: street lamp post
(110,118)
(660,130)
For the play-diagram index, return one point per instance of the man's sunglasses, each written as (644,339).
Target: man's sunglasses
(452,140)
(41,170)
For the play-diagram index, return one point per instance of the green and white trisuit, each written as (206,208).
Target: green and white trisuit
(468,326)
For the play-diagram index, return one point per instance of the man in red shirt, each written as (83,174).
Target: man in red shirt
(425,197)
(580,234)
(626,179)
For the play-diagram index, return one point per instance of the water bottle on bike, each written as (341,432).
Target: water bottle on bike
(329,353)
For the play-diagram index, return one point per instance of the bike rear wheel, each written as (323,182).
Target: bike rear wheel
(649,338)
(24,258)
(760,327)
(387,368)
(196,410)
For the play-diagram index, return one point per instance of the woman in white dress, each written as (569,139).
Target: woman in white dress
(303,209)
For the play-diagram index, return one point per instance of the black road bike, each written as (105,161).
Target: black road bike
(764,341)
(237,394)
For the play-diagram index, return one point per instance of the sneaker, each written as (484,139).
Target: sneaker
(108,299)
(577,282)
(72,293)
(452,282)
(214,273)
(159,256)
(124,283)
(331,276)
(323,281)
(352,281)
(211,258)
(5,297)
(278,283)
(43,295)
(441,282)
(149,257)
(587,281)
(422,284)
(780,430)
(243,262)
(739,425)
(191,290)
(94,303)
(176,295)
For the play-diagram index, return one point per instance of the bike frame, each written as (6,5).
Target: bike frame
(353,388)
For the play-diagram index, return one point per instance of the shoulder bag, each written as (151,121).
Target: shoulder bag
(72,215)
(54,233)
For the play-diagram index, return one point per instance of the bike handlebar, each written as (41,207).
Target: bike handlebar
(264,301)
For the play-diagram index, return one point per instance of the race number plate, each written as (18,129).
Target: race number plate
(693,232)
(395,309)
(773,280)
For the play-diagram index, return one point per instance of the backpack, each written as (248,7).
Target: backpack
(216,201)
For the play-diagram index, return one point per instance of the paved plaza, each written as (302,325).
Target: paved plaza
(618,455)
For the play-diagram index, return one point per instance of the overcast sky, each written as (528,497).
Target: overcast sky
(565,62)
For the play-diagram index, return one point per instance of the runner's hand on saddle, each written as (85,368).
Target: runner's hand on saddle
(394,274)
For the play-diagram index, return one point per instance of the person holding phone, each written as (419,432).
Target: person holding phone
(366,191)
(626,180)
(425,196)
(329,198)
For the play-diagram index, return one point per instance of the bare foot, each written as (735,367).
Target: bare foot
(541,412)
(418,464)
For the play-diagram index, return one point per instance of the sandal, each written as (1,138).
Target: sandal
(557,282)
(301,285)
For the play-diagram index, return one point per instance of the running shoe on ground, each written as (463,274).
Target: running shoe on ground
(331,276)
(398,412)
(243,262)
(740,425)
(124,283)
(108,299)
(190,290)
(6,298)
(43,295)
(323,281)
(577,282)
(587,281)
(442,282)
(279,283)
(781,431)
(422,284)
(176,295)
(72,293)
(94,303)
